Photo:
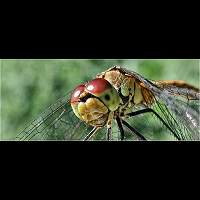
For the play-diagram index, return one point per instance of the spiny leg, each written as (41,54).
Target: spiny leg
(109,133)
(120,128)
(141,137)
(91,133)
(157,115)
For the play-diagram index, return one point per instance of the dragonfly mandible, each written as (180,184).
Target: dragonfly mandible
(120,105)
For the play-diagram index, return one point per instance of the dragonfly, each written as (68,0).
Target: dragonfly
(119,104)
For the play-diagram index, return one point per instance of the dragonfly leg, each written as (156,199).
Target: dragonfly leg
(141,137)
(157,115)
(109,134)
(120,128)
(91,133)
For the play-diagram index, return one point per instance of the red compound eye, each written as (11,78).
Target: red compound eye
(76,93)
(98,86)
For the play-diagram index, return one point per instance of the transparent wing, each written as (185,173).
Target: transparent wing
(179,107)
(152,128)
(57,122)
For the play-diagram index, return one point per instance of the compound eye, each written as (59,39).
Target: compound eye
(98,86)
(102,89)
(76,93)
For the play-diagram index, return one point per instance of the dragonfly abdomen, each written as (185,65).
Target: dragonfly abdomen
(178,87)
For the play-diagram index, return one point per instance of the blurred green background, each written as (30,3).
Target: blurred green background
(29,86)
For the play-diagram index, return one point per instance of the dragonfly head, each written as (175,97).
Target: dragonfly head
(92,102)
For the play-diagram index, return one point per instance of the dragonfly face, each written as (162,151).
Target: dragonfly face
(94,101)
(113,102)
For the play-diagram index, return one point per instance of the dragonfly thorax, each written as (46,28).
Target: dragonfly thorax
(131,90)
